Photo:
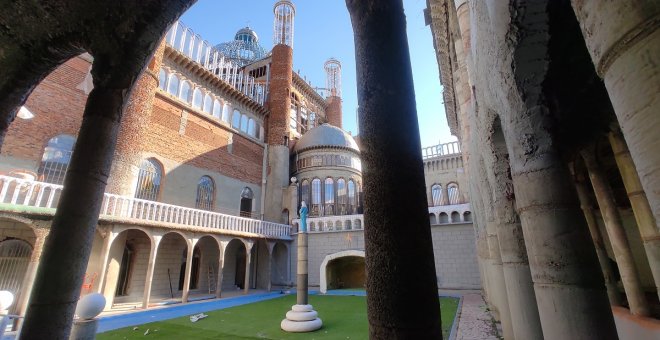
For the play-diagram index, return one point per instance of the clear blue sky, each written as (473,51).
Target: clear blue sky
(323,30)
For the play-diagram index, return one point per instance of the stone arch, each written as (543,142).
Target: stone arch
(280,274)
(328,258)
(233,271)
(127,265)
(259,264)
(209,264)
(357,224)
(338,225)
(15,254)
(455,217)
(432,219)
(467,216)
(443,218)
(170,265)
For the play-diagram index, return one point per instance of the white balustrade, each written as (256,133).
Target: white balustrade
(21,192)
(444,214)
(445,149)
(184,40)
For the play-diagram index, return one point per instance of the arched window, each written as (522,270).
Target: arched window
(173,85)
(162,79)
(329,196)
(342,208)
(208,103)
(14,259)
(351,197)
(205,193)
(149,180)
(452,192)
(55,159)
(436,193)
(251,128)
(244,123)
(226,112)
(217,109)
(197,98)
(184,94)
(304,191)
(246,202)
(236,119)
(316,197)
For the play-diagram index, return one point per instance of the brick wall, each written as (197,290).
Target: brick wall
(178,134)
(58,107)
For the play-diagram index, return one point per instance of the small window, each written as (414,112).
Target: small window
(197,99)
(244,123)
(251,128)
(184,94)
(173,85)
(329,196)
(162,79)
(149,180)
(341,197)
(56,158)
(236,119)
(217,109)
(226,112)
(436,193)
(452,192)
(205,193)
(208,103)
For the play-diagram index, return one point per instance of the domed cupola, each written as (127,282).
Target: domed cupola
(244,49)
(326,162)
(326,136)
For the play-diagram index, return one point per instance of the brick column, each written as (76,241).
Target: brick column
(402,295)
(134,126)
(334,111)
(279,94)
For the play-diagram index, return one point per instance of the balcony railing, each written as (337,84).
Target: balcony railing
(27,193)
(445,149)
(443,214)
(184,40)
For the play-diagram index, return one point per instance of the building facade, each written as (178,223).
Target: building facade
(218,146)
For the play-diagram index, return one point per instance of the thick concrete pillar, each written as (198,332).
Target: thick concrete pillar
(603,259)
(248,264)
(221,267)
(270,245)
(189,259)
(402,295)
(617,235)
(498,284)
(646,223)
(150,270)
(624,42)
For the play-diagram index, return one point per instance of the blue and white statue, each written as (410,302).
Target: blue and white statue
(303,216)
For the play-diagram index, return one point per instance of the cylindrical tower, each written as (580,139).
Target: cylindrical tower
(279,104)
(333,83)
(285,12)
(134,123)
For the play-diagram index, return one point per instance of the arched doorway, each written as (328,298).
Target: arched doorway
(344,269)
(14,259)
(279,273)
(246,202)
(233,272)
(126,268)
(260,257)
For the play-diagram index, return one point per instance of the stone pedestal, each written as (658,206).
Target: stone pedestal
(300,319)
(84,329)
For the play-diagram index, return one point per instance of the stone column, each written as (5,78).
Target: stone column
(617,235)
(302,275)
(515,266)
(402,295)
(603,259)
(150,270)
(109,236)
(41,232)
(221,266)
(189,259)
(248,262)
(648,228)
(270,245)
(624,42)
(134,127)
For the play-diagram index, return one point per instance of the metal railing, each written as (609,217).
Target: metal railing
(22,192)
(445,149)
(184,40)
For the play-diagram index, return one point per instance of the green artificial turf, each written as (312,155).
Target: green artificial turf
(344,317)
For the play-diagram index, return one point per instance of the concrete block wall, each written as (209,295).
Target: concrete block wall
(455,251)
(171,254)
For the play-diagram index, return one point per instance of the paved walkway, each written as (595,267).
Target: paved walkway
(475,322)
